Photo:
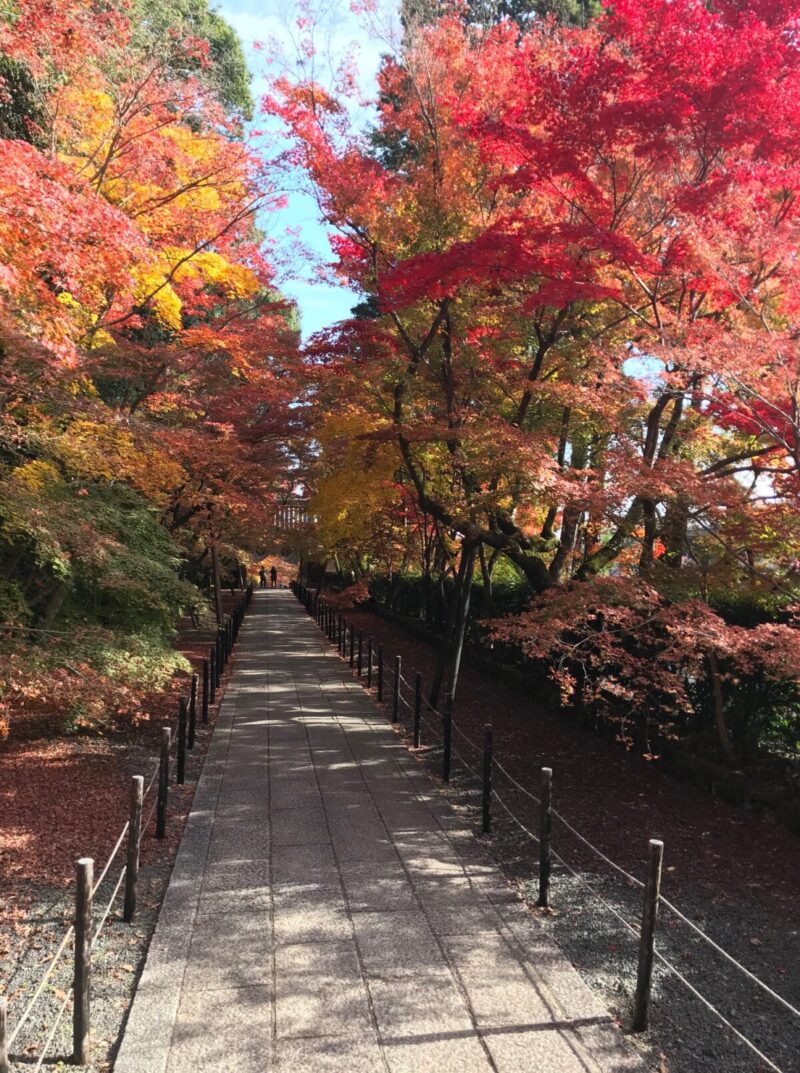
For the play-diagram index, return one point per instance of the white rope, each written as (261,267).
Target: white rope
(464,763)
(660,957)
(146,823)
(517,821)
(153,778)
(673,908)
(464,737)
(728,957)
(514,782)
(713,1009)
(110,860)
(32,1001)
(108,908)
(618,868)
(612,864)
(53,1031)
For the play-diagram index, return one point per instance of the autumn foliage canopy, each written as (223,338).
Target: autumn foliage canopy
(565,410)
(576,362)
(145,346)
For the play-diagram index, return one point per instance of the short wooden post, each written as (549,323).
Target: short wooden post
(398,667)
(134,838)
(380,672)
(212,659)
(417,710)
(4,1066)
(487,779)
(163,783)
(545,837)
(204,711)
(343,639)
(180,775)
(647,940)
(360,652)
(369,663)
(339,633)
(352,646)
(448,735)
(192,712)
(81,1016)
(218,660)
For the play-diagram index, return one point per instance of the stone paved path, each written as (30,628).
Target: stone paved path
(327,912)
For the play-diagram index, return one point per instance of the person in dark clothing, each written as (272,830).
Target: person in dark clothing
(273,577)
(262,578)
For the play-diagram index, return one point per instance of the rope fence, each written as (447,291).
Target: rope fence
(653,899)
(80,933)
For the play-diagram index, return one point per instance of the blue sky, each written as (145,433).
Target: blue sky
(257,21)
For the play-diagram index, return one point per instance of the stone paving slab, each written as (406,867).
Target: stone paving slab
(329,913)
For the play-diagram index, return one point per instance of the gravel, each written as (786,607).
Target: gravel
(733,873)
(41,914)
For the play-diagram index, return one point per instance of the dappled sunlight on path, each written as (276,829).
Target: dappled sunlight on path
(328,910)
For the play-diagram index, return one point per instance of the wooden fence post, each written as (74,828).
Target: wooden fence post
(380,672)
(369,663)
(417,710)
(647,940)
(4,1066)
(545,837)
(192,712)
(81,994)
(352,646)
(448,735)
(398,670)
(487,779)
(134,838)
(360,652)
(180,775)
(204,715)
(163,783)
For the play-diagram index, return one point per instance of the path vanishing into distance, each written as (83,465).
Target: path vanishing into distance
(328,910)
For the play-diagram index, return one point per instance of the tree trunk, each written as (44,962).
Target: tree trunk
(673,533)
(216,585)
(647,555)
(719,711)
(54,605)
(453,642)
(12,562)
(488,606)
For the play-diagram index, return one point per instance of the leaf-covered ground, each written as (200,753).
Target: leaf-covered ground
(733,871)
(66,797)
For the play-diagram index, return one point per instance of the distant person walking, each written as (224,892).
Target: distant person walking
(262,578)
(273,577)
